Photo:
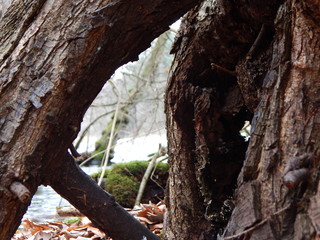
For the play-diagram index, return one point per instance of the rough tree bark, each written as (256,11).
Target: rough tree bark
(234,58)
(55,57)
(278,187)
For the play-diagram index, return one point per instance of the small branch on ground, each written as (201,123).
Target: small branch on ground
(99,206)
(147,174)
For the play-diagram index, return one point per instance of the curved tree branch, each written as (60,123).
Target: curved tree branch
(53,72)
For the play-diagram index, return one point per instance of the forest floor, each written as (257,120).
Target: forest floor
(151,215)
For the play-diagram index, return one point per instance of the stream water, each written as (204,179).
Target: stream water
(45,201)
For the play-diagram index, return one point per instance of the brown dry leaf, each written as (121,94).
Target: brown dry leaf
(148,207)
(68,235)
(96,232)
(41,235)
(84,221)
(22,235)
(84,238)
(34,227)
(60,225)
(27,224)
(78,228)
(156,226)
(157,231)
(150,215)
(145,220)
(156,217)
(152,212)
(142,213)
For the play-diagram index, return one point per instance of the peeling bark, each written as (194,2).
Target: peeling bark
(278,79)
(55,58)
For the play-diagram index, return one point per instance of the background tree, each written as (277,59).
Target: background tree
(237,61)
(137,89)
(55,57)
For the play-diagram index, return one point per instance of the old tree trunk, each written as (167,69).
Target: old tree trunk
(237,61)
(55,57)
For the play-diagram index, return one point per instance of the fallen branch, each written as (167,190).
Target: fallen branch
(147,174)
(99,206)
(111,138)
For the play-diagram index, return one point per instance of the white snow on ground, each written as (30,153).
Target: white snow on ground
(129,149)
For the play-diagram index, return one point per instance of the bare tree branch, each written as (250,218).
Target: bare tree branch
(99,206)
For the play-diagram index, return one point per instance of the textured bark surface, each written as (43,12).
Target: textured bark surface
(205,111)
(81,191)
(282,161)
(277,69)
(55,58)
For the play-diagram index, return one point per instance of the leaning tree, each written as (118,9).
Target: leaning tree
(236,61)
(55,56)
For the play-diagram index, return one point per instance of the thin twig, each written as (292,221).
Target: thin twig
(91,157)
(146,175)
(107,153)
(257,225)
(74,151)
(257,42)
(84,132)
(233,73)
(155,168)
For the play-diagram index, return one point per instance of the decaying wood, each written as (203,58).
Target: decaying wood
(205,111)
(55,58)
(20,191)
(279,85)
(68,212)
(283,153)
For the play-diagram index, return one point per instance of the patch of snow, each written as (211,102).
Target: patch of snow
(129,149)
